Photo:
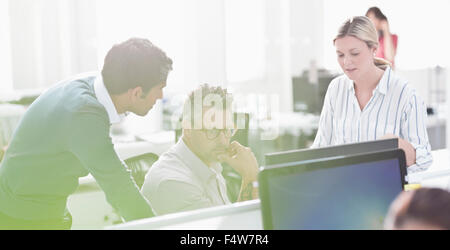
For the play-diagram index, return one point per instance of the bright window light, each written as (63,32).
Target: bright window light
(245,40)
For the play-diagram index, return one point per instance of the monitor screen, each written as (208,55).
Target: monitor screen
(337,150)
(335,194)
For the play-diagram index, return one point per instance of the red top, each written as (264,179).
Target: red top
(380,52)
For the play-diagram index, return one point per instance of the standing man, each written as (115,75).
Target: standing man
(64,135)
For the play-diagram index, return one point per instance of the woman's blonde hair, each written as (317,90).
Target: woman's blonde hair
(362,28)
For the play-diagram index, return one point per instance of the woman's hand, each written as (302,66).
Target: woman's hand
(410,151)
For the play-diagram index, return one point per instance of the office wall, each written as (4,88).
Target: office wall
(307,35)
(27,27)
(5,50)
(49,41)
(278,54)
(294,37)
(210,34)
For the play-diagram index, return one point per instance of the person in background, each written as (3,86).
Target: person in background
(189,176)
(387,48)
(65,135)
(369,101)
(421,209)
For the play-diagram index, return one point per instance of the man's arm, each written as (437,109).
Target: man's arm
(90,142)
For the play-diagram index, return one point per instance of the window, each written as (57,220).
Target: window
(5,50)
(245,40)
(162,22)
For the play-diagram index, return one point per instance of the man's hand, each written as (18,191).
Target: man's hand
(242,160)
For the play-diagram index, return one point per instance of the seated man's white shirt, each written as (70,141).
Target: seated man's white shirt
(180,181)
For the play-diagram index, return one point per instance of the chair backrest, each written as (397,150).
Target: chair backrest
(139,166)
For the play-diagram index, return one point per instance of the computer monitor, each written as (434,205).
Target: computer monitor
(309,97)
(331,151)
(343,192)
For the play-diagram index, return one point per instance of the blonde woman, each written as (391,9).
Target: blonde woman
(369,101)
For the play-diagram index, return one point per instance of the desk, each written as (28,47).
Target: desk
(247,215)
(438,174)
(238,216)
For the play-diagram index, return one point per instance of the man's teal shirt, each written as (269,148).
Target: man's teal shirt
(64,135)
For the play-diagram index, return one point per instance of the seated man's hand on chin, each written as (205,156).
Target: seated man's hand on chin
(243,160)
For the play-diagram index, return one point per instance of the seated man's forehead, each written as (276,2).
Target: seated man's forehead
(218,118)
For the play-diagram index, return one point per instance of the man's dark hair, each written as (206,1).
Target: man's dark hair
(427,205)
(377,12)
(133,63)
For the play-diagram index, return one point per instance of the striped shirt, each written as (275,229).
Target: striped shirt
(394,108)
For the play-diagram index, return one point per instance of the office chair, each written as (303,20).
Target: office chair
(139,166)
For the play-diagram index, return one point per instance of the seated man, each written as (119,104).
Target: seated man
(189,175)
